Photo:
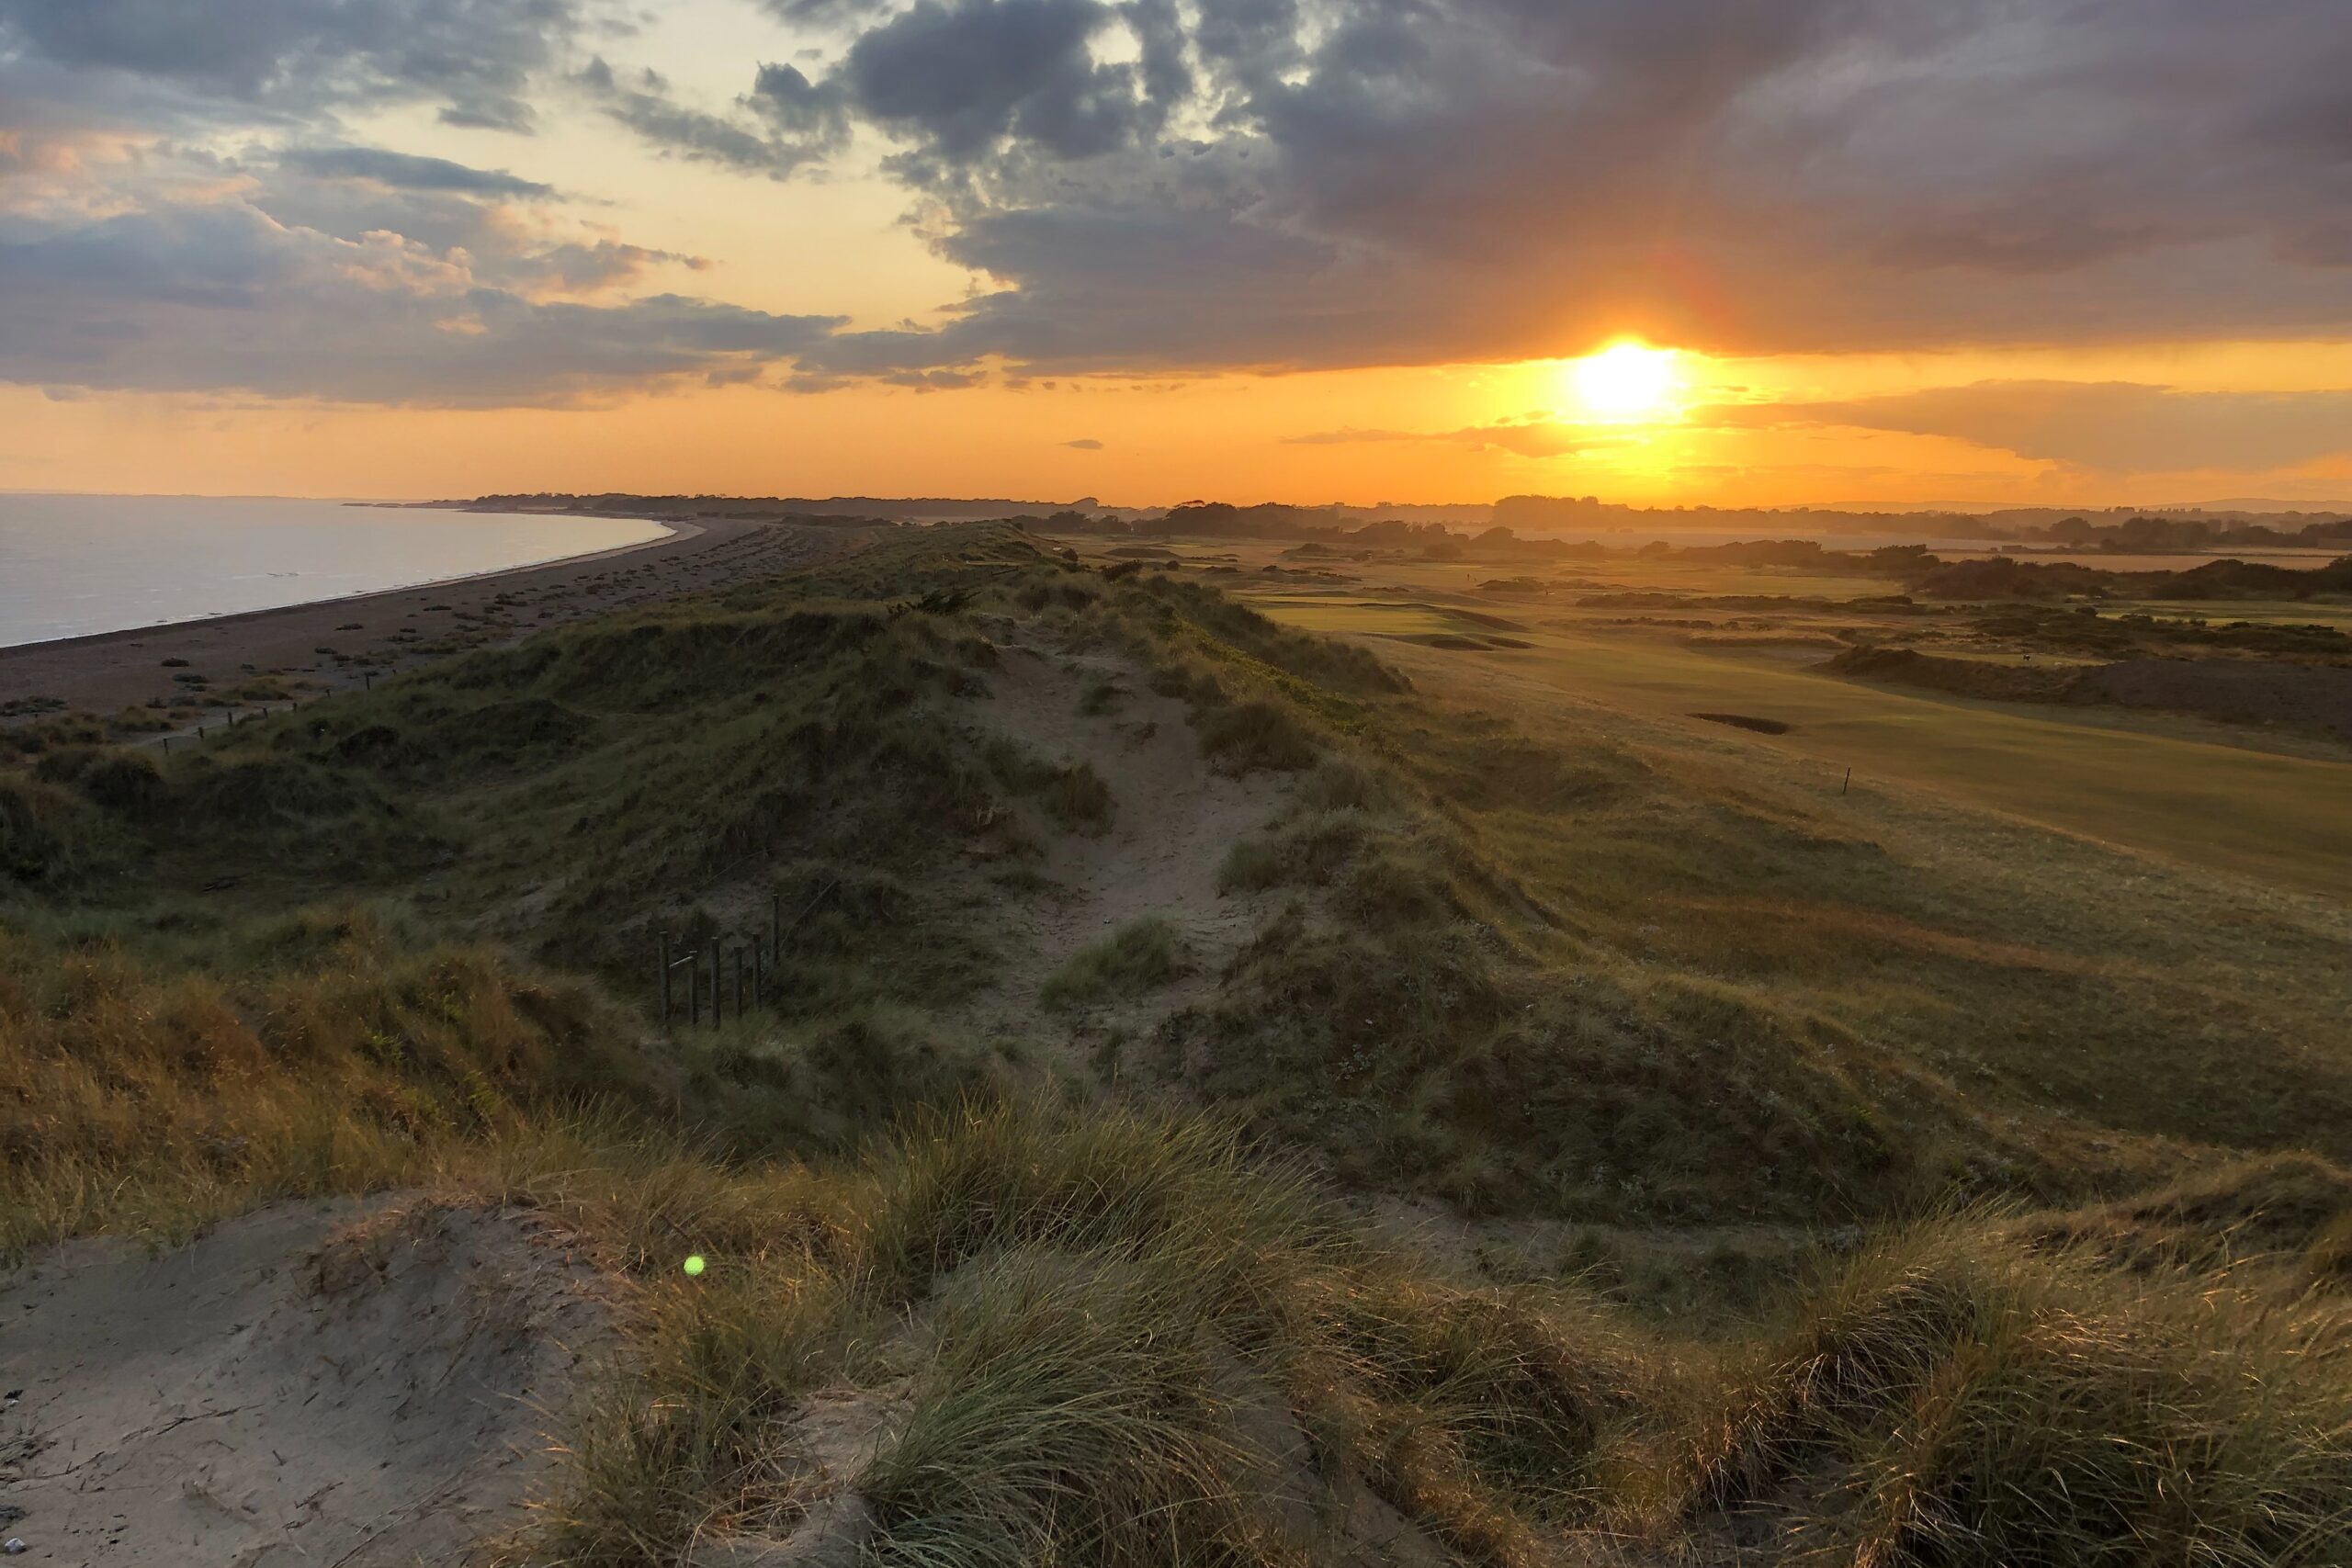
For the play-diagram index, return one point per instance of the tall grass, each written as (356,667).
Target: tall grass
(1139,956)
(134,1098)
(1949,1398)
(1113,1338)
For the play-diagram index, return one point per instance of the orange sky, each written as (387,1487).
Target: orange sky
(1231,437)
(232,298)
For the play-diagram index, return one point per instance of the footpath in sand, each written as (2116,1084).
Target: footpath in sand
(1173,816)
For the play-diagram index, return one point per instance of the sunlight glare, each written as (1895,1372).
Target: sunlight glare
(1628,381)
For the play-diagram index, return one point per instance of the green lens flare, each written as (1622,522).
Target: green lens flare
(695,1263)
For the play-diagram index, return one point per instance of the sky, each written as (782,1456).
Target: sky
(1713,251)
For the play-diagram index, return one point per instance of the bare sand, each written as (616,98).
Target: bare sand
(315,1382)
(339,642)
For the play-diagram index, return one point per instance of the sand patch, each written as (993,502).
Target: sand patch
(311,1383)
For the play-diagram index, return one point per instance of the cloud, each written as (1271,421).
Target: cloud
(1351,435)
(934,380)
(182,208)
(1533,436)
(965,77)
(1263,184)
(1084,443)
(577,267)
(223,299)
(406,171)
(474,58)
(2115,426)
(1150,187)
(793,124)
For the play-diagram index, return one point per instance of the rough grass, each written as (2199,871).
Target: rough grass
(1947,1398)
(1077,798)
(1130,1342)
(134,1099)
(1139,956)
(1256,734)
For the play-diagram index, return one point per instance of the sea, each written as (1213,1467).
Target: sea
(70,565)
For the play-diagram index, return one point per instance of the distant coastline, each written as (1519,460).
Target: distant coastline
(332,642)
(87,565)
(1535,521)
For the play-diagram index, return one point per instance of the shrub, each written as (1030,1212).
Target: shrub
(1077,798)
(109,776)
(1255,734)
(1137,957)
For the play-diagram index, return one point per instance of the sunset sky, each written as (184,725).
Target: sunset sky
(2072,252)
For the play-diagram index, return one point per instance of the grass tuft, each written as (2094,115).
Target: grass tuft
(1139,956)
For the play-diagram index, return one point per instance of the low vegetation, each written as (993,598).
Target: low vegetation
(1137,957)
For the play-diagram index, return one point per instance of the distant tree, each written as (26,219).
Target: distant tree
(2073,531)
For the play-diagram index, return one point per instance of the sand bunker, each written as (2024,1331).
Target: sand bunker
(1746,721)
(313,1384)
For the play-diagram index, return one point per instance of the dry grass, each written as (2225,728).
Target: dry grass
(133,1099)
(1946,1398)
(1116,1339)
(1137,957)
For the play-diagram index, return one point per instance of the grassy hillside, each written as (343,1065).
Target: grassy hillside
(1078,1225)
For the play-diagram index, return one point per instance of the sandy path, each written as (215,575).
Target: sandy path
(308,1383)
(1173,818)
(116,670)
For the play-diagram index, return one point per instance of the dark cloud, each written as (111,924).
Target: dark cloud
(1148,187)
(2121,427)
(934,380)
(475,58)
(405,171)
(1084,443)
(192,218)
(964,78)
(1536,436)
(830,14)
(790,124)
(222,297)
(590,266)
(1263,184)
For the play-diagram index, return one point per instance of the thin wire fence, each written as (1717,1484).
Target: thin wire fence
(749,963)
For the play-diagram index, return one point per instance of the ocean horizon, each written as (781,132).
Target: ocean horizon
(76,565)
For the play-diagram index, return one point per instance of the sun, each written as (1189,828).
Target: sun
(1627,381)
